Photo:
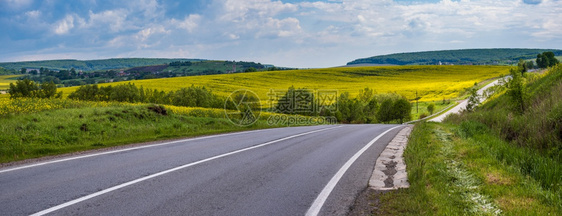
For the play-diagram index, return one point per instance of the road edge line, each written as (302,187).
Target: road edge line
(323,196)
(126,149)
(87,197)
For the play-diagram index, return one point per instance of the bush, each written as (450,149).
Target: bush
(431,108)
(28,89)
(517,91)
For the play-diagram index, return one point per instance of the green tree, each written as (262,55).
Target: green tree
(365,95)
(474,98)
(385,114)
(522,65)
(23,88)
(125,93)
(49,90)
(517,91)
(402,110)
(250,69)
(370,110)
(86,92)
(30,89)
(431,108)
(546,59)
(530,65)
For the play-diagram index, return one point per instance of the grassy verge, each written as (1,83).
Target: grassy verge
(460,170)
(422,108)
(66,130)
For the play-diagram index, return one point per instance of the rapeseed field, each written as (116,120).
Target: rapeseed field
(432,83)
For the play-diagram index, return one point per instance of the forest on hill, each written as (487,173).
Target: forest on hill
(457,57)
(91,65)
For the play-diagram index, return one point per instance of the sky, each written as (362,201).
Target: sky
(290,33)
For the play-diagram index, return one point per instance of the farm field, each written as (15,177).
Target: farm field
(432,83)
(5,81)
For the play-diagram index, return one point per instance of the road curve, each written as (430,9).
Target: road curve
(280,171)
(462,104)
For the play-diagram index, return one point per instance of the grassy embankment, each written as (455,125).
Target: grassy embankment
(494,160)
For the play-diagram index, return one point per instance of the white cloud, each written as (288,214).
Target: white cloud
(189,24)
(306,34)
(144,34)
(242,10)
(279,28)
(150,8)
(34,14)
(16,4)
(116,20)
(64,25)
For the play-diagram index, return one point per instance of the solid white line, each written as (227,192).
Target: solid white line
(319,202)
(81,199)
(128,149)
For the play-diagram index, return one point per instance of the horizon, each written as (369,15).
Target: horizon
(287,33)
(265,63)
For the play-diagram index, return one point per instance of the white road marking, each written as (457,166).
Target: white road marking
(127,149)
(321,199)
(84,198)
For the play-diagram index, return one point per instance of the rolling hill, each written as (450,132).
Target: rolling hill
(457,57)
(91,65)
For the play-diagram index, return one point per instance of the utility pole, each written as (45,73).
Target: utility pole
(417,99)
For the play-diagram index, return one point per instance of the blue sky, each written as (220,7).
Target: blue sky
(294,33)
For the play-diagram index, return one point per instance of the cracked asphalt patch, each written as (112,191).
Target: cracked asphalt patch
(390,169)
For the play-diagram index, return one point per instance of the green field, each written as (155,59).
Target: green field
(432,83)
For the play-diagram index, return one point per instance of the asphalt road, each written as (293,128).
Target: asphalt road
(462,105)
(284,171)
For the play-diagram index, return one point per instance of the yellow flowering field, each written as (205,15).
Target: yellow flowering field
(5,81)
(196,111)
(432,83)
(34,105)
(220,113)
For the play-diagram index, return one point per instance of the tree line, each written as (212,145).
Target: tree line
(367,107)
(193,96)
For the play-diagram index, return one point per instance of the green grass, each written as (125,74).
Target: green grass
(538,128)
(453,171)
(62,131)
(494,157)
(422,108)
